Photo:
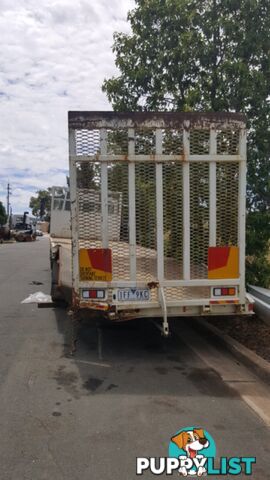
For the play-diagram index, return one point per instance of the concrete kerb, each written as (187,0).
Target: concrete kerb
(7,241)
(249,358)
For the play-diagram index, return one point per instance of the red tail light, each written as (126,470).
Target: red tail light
(224,291)
(93,294)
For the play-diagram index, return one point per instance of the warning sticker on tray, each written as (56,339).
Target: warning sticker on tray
(95,264)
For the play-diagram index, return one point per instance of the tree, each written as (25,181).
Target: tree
(204,56)
(88,175)
(3,215)
(41,204)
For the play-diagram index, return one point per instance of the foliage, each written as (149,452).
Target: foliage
(258,271)
(204,56)
(41,204)
(3,215)
(258,248)
(184,54)
(88,175)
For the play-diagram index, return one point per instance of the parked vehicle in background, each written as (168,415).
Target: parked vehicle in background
(22,218)
(157,216)
(4,233)
(24,229)
(60,213)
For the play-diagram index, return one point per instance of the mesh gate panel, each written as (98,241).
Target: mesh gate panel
(227,201)
(145,141)
(173,220)
(118,218)
(172,142)
(199,219)
(117,142)
(186,293)
(145,184)
(199,142)
(87,142)
(89,204)
(227,142)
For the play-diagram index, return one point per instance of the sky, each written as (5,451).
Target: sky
(55,55)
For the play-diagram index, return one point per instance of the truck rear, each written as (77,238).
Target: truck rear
(158,214)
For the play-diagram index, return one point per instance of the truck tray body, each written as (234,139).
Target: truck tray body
(158,213)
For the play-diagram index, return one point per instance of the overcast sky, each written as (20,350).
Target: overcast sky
(54,57)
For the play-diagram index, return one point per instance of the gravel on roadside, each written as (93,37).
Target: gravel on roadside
(252,332)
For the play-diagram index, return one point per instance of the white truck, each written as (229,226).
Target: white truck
(157,216)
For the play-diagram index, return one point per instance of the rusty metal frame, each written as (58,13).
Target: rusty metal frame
(177,120)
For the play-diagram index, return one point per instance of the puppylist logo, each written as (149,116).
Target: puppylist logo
(192,452)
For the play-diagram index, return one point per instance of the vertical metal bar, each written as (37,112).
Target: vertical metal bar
(165,323)
(186,208)
(242,213)
(159,209)
(212,190)
(104,190)
(132,206)
(74,212)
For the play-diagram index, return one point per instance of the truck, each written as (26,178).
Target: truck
(155,216)
(23,227)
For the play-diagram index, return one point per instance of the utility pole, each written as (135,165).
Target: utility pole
(8,196)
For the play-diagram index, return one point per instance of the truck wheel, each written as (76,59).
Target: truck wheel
(20,237)
(56,293)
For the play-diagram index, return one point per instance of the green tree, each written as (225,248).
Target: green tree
(213,55)
(41,204)
(3,215)
(88,175)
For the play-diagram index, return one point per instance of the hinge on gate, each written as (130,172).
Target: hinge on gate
(241,308)
(206,309)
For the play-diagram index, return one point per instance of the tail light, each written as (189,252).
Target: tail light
(224,291)
(93,294)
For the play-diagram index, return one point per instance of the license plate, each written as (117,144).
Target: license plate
(133,295)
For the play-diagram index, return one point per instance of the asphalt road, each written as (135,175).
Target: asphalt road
(87,417)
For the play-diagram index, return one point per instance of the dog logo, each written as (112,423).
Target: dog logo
(193,446)
(192,452)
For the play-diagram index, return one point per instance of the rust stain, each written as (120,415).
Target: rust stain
(112,308)
(186,120)
(75,300)
(94,306)
(185,156)
(152,285)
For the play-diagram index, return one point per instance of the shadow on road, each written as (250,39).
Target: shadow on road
(132,358)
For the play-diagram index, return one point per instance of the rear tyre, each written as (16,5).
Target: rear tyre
(56,294)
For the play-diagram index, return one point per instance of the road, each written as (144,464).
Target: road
(87,417)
